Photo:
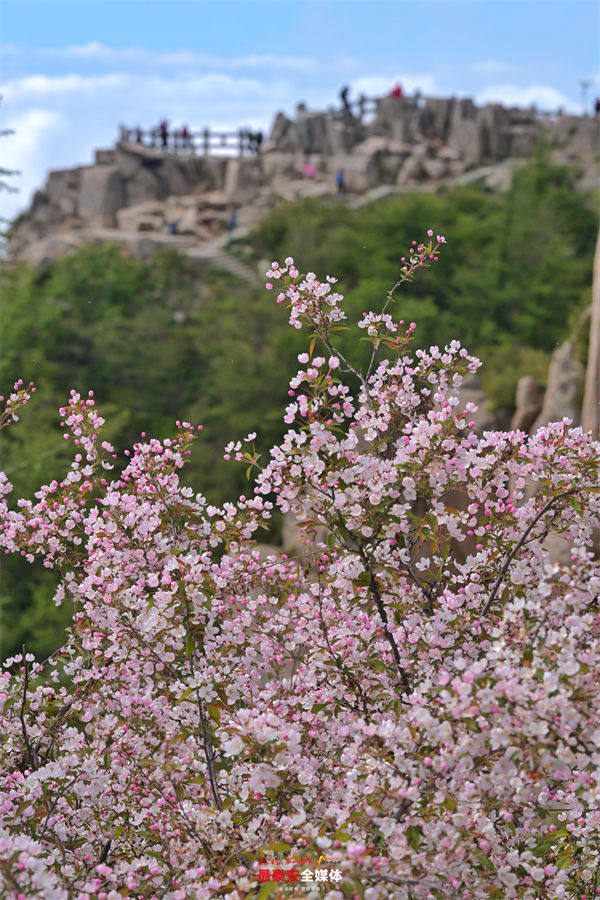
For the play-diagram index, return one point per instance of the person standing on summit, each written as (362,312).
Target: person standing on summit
(163,130)
(344,95)
(186,138)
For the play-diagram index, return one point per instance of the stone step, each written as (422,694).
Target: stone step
(220,259)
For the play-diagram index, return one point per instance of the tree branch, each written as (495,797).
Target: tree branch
(504,568)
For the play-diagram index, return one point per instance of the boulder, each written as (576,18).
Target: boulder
(343,134)
(187,223)
(414,167)
(472,392)
(464,136)
(397,119)
(101,195)
(376,144)
(494,132)
(178,175)
(143,186)
(528,393)
(293,536)
(435,118)
(311,131)
(147,216)
(232,177)
(278,164)
(528,401)
(105,157)
(304,187)
(565,380)
(148,207)
(580,135)
(522,141)
(283,134)
(251,173)
(129,159)
(360,171)
(382,158)
(41,254)
(145,248)
(62,192)
(435,168)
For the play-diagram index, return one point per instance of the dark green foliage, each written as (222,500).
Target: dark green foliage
(168,339)
(157,342)
(515,271)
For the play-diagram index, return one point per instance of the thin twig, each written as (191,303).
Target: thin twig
(504,568)
(346,674)
(374,589)
(30,753)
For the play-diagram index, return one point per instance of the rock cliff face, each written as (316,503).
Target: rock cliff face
(121,179)
(132,188)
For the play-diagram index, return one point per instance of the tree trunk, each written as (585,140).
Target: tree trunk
(590,413)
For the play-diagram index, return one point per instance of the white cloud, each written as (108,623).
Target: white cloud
(494,67)
(124,57)
(34,87)
(37,132)
(542,96)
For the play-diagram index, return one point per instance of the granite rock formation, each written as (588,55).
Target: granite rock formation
(407,142)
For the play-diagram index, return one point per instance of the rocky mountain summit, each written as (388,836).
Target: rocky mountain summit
(134,193)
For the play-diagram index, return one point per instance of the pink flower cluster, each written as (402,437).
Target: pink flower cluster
(18,397)
(422,254)
(414,694)
(310,300)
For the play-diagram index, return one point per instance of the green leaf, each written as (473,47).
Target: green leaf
(484,860)
(413,836)
(189,645)
(341,835)
(185,694)
(214,712)
(363,580)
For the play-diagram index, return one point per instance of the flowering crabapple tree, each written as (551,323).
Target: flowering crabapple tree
(414,697)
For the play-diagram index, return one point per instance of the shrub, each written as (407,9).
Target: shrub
(406,710)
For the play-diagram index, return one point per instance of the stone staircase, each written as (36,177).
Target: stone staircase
(215,252)
(145,243)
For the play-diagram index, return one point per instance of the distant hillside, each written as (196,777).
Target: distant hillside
(171,337)
(184,195)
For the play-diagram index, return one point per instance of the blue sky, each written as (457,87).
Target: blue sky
(72,70)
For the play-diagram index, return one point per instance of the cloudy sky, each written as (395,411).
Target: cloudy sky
(72,70)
